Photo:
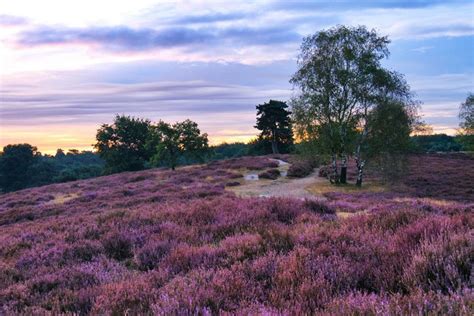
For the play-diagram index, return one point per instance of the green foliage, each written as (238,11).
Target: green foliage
(179,143)
(436,143)
(22,166)
(466,114)
(123,144)
(229,150)
(388,139)
(466,141)
(335,67)
(273,120)
(345,94)
(259,146)
(15,163)
(389,129)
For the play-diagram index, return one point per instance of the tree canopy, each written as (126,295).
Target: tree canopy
(466,114)
(273,120)
(123,144)
(341,82)
(15,162)
(182,140)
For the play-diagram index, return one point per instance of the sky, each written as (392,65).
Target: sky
(66,67)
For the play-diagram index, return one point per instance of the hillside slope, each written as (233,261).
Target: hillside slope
(165,242)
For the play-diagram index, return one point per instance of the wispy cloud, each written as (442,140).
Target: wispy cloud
(123,38)
(10,20)
(158,98)
(210,18)
(422,49)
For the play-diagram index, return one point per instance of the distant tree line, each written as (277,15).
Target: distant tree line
(130,143)
(22,166)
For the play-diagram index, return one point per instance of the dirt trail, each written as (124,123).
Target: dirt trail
(282,187)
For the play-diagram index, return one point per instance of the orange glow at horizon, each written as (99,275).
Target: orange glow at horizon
(49,139)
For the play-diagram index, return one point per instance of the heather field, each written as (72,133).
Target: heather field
(180,243)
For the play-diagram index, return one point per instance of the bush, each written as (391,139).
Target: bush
(232,184)
(286,210)
(443,264)
(117,246)
(300,169)
(319,207)
(152,253)
(324,171)
(83,252)
(271,174)
(125,298)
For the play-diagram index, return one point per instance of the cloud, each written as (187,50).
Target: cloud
(120,37)
(422,49)
(302,5)
(210,18)
(124,38)
(161,99)
(10,20)
(417,23)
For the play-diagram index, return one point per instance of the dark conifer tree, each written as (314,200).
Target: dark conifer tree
(273,120)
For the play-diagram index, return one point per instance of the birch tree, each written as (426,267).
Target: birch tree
(332,69)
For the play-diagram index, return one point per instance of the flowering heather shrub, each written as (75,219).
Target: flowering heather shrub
(442,176)
(418,303)
(242,247)
(285,210)
(271,174)
(118,246)
(443,263)
(83,252)
(168,242)
(150,255)
(318,206)
(130,296)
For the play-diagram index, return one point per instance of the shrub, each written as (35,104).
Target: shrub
(152,253)
(84,251)
(442,264)
(232,184)
(318,206)
(127,297)
(418,303)
(242,247)
(117,246)
(300,169)
(324,171)
(271,174)
(286,210)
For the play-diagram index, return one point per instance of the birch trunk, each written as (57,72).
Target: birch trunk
(360,167)
(344,169)
(335,176)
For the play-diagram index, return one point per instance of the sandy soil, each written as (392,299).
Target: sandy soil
(282,187)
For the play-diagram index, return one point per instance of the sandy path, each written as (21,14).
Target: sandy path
(282,187)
